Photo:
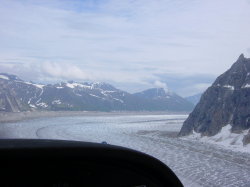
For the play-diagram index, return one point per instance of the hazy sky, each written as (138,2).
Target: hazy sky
(133,44)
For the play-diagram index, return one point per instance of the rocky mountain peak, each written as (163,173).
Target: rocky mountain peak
(226,102)
(237,76)
(241,57)
(241,62)
(154,93)
(104,86)
(161,96)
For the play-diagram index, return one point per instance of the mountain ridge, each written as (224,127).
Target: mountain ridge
(18,95)
(225,102)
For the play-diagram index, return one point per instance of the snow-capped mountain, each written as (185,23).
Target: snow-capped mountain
(18,95)
(155,93)
(166,100)
(224,107)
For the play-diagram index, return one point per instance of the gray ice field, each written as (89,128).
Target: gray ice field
(195,163)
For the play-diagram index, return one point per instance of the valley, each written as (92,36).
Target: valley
(194,162)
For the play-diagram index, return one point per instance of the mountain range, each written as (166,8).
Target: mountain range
(225,106)
(17,95)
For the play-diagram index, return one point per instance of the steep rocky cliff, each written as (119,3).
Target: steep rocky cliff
(226,102)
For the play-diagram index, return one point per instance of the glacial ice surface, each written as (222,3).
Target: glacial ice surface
(196,163)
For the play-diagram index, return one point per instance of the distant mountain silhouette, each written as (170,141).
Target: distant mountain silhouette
(165,100)
(194,98)
(17,95)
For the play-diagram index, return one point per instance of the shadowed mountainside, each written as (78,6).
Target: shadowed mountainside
(227,101)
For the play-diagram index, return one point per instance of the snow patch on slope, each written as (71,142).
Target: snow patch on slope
(39,85)
(229,87)
(96,96)
(71,85)
(58,102)
(121,101)
(32,106)
(74,85)
(4,77)
(30,83)
(44,105)
(246,86)
(224,138)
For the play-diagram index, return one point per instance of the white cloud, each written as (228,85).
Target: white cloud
(64,71)
(100,39)
(160,84)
